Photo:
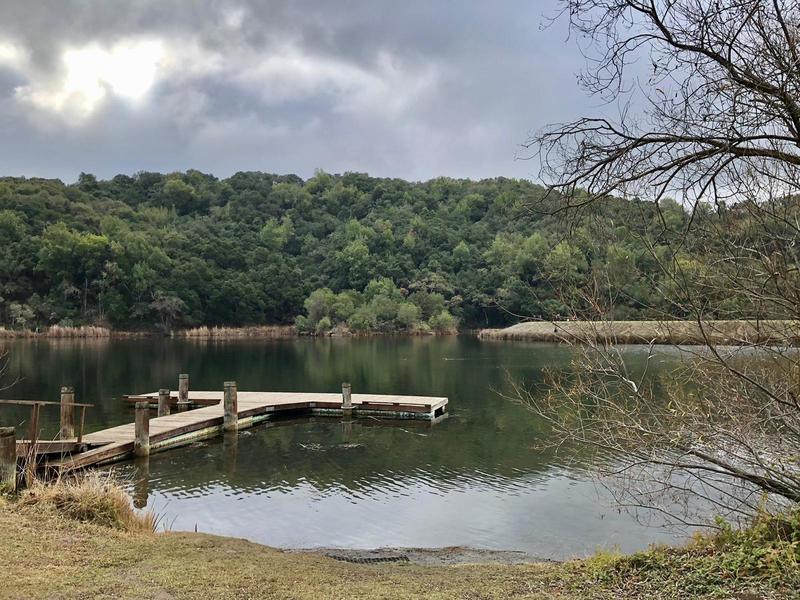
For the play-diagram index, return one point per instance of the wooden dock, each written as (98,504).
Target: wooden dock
(180,428)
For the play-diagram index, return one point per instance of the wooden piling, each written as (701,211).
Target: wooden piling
(231,407)
(31,462)
(141,482)
(67,423)
(8,459)
(347,400)
(141,440)
(183,388)
(163,402)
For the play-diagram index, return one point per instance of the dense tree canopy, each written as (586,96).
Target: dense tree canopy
(187,249)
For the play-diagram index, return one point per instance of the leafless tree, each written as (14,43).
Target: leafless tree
(707,98)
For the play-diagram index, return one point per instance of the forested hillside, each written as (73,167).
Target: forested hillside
(188,249)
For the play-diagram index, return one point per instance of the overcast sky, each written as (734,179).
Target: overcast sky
(412,89)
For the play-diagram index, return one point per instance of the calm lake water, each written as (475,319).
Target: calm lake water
(476,479)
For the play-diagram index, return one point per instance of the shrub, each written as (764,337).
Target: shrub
(444,322)
(363,320)
(385,310)
(344,305)
(323,325)
(407,315)
(429,303)
(318,304)
(302,324)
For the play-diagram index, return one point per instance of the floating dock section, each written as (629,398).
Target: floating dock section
(219,411)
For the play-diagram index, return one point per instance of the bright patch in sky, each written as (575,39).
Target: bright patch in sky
(127,70)
(9,54)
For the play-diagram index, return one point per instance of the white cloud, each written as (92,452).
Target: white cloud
(385,86)
(89,74)
(11,55)
(234,17)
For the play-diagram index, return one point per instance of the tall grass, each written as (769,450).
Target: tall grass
(90,498)
(58,331)
(84,331)
(16,333)
(263,331)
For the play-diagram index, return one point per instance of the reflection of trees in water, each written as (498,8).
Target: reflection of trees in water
(358,456)
(486,439)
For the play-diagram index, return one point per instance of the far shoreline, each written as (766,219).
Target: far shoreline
(721,332)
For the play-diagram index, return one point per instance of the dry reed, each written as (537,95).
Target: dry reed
(84,331)
(58,331)
(262,331)
(91,498)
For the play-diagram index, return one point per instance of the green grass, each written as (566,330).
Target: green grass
(49,552)
(764,559)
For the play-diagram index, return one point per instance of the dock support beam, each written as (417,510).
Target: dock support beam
(347,400)
(141,441)
(8,460)
(163,402)
(183,388)
(67,423)
(231,401)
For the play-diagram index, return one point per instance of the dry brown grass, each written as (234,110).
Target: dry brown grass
(256,331)
(57,543)
(90,498)
(54,557)
(58,331)
(84,331)
(16,333)
(646,332)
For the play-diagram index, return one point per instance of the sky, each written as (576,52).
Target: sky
(414,89)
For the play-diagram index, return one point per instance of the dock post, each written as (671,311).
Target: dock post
(31,464)
(141,482)
(141,441)
(231,402)
(163,402)
(67,423)
(8,460)
(183,388)
(347,400)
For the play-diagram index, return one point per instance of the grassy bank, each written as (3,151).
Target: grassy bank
(77,543)
(656,332)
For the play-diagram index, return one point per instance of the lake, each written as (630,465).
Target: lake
(479,478)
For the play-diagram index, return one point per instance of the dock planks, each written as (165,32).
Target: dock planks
(180,428)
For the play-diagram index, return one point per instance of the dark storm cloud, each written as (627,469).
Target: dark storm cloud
(411,89)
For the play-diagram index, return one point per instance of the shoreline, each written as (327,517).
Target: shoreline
(93,332)
(449,555)
(54,555)
(203,333)
(722,332)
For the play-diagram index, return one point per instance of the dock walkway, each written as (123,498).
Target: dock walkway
(180,428)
